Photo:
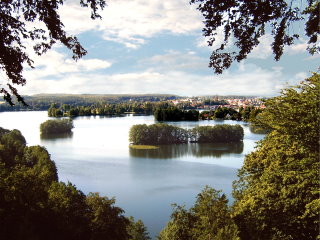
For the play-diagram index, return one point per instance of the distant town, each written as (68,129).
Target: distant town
(212,103)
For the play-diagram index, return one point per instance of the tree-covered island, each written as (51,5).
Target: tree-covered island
(161,133)
(54,126)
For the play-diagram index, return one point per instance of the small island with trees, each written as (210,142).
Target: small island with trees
(161,133)
(56,126)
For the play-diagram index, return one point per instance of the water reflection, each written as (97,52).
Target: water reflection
(191,149)
(56,136)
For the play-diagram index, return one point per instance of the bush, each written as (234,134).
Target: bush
(56,126)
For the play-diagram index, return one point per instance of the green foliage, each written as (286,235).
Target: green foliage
(107,220)
(137,230)
(35,206)
(160,133)
(208,219)
(219,133)
(56,126)
(175,114)
(69,212)
(102,109)
(247,21)
(277,194)
(244,114)
(157,134)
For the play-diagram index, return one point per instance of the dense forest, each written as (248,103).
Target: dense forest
(175,114)
(161,133)
(277,193)
(35,205)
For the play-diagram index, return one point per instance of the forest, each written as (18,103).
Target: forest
(34,204)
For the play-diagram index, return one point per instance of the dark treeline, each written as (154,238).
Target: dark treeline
(56,126)
(64,110)
(35,205)
(44,101)
(200,103)
(175,114)
(243,114)
(160,133)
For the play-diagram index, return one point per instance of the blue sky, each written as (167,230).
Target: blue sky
(151,46)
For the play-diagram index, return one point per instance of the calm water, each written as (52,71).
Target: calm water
(96,158)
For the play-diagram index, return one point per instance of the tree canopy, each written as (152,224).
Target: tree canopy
(277,195)
(15,30)
(247,21)
(209,218)
(35,205)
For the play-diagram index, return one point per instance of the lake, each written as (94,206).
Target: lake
(96,158)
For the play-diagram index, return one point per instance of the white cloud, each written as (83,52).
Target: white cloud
(175,60)
(248,80)
(263,50)
(129,22)
(55,63)
(297,48)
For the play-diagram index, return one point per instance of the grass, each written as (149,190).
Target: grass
(143,147)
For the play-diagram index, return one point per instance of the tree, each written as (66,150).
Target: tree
(35,205)
(277,194)
(107,220)
(208,219)
(247,21)
(15,18)
(137,230)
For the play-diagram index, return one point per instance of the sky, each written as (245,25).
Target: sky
(157,47)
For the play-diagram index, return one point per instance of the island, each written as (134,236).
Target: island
(54,126)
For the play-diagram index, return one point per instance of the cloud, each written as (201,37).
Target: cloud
(130,22)
(54,63)
(297,48)
(263,50)
(176,60)
(248,79)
